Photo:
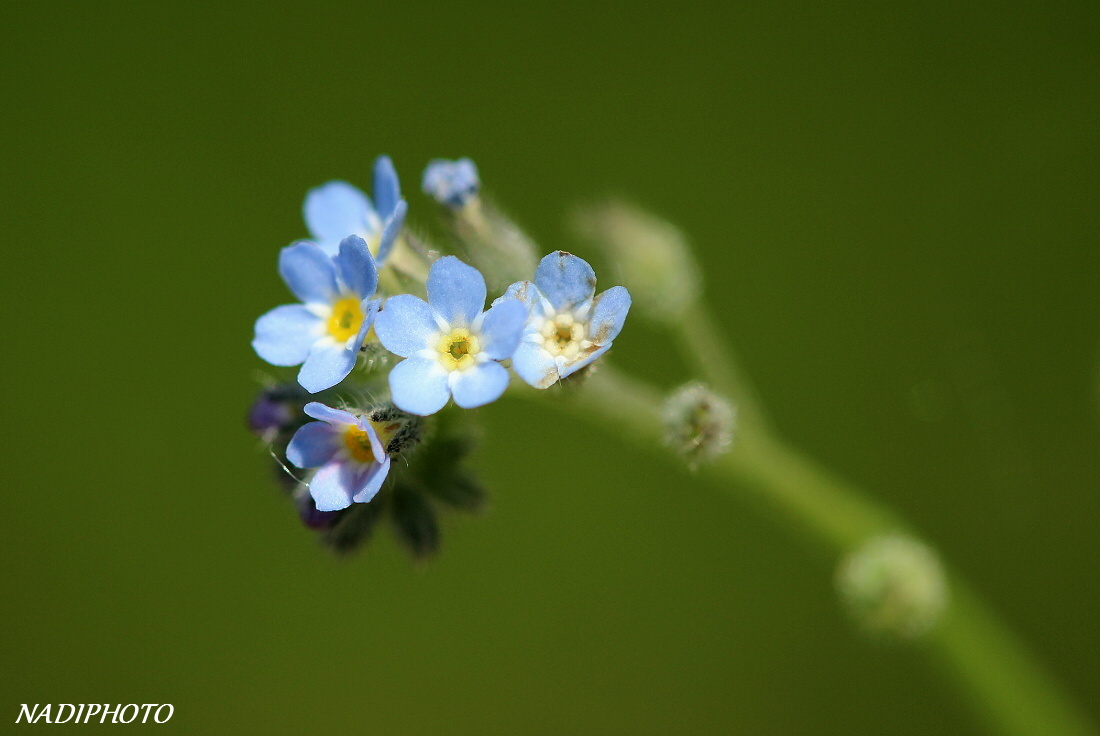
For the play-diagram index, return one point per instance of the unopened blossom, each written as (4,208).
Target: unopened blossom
(451,183)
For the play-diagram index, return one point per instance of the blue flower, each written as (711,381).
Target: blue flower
(451,346)
(325,332)
(451,183)
(348,453)
(335,210)
(566,328)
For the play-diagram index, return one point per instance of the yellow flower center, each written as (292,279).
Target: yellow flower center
(358,443)
(457,350)
(346,319)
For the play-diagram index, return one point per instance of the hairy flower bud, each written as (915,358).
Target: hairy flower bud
(698,423)
(893,586)
(399,431)
(276,410)
(651,255)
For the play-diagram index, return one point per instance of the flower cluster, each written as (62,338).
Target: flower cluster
(413,340)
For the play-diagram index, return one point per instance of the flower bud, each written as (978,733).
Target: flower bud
(453,184)
(698,423)
(276,409)
(893,586)
(399,431)
(651,255)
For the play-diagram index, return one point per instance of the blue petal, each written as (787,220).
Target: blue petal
(317,410)
(370,309)
(565,280)
(525,291)
(375,444)
(479,385)
(332,486)
(387,190)
(534,365)
(391,230)
(406,325)
(328,364)
(309,272)
(608,314)
(456,291)
(370,480)
(502,328)
(334,211)
(355,267)
(312,446)
(419,386)
(285,334)
(308,513)
(571,368)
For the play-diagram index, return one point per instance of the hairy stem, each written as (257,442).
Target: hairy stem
(1007,687)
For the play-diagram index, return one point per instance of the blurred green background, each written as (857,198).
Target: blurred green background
(896,208)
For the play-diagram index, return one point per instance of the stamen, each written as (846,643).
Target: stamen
(564,336)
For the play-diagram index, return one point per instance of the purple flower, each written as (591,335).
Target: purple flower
(346,450)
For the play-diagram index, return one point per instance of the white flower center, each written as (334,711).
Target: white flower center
(563,335)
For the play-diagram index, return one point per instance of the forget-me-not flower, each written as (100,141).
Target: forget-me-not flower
(324,332)
(335,210)
(451,183)
(566,328)
(348,452)
(450,346)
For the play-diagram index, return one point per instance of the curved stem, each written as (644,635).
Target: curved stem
(1014,694)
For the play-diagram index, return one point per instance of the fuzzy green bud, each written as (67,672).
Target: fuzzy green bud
(893,586)
(698,423)
(651,256)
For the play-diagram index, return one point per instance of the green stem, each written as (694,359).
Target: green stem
(1006,684)
(1014,694)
